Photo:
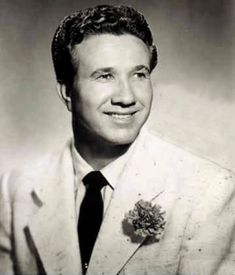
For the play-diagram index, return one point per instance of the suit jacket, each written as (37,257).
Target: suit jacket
(38,224)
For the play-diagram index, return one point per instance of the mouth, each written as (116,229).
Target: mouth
(121,116)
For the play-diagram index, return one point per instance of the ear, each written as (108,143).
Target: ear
(64,95)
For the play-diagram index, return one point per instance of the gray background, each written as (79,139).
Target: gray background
(194,103)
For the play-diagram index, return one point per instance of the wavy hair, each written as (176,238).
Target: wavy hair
(101,19)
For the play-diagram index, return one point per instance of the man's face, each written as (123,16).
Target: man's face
(112,91)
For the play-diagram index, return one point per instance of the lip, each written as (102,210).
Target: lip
(121,113)
(121,116)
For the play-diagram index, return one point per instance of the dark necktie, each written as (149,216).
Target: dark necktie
(91,214)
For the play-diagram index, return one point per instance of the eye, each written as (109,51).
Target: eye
(106,76)
(141,75)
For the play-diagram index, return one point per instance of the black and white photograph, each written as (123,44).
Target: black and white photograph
(117,152)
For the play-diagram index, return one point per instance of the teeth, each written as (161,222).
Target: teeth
(122,116)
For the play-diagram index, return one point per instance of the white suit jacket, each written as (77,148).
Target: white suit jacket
(38,224)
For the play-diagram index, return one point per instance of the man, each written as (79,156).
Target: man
(103,59)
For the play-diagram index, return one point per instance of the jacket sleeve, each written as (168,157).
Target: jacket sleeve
(6,253)
(227,264)
(209,246)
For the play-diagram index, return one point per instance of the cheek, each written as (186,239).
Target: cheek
(92,93)
(145,94)
(82,98)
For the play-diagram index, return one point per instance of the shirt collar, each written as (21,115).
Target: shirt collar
(81,167)
(111,172)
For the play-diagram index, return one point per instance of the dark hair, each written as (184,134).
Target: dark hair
(116,20)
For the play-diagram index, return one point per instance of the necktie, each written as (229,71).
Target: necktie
(91,214)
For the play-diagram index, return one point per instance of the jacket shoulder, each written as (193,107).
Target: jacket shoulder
(156,145)
(30,173)
(208,182)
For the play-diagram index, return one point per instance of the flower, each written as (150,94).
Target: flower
(145,220)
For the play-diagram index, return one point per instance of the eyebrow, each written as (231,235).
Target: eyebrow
(111,69)
(102,70)
(141,67)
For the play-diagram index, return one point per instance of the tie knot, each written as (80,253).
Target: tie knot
(95,180)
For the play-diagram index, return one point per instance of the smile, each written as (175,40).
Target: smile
(120,115)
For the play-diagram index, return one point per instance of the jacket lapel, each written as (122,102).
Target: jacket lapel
(53,227)
(138,181)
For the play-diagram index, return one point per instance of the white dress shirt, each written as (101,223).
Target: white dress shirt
(111,172)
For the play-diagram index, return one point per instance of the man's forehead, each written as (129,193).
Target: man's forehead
(106,50)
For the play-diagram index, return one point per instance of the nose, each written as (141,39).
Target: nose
(124,95)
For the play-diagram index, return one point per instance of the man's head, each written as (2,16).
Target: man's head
(103,58)
(101,19)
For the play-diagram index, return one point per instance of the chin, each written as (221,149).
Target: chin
(123,139)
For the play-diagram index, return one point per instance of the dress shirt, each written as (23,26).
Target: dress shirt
(111,172)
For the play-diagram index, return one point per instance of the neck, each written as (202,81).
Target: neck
(97,153)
